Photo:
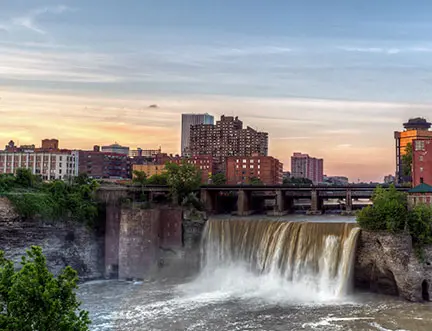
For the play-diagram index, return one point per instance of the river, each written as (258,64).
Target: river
(258,275)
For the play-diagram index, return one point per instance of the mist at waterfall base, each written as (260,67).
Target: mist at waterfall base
(258,275)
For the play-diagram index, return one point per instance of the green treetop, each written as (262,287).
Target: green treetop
(32,299)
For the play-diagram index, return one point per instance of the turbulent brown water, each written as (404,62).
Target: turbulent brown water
(317,257)
(258,275)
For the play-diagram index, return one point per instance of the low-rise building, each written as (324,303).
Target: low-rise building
(420,194)
(116,148)
(241,170)
(149,169)
(49,165)
(103,165)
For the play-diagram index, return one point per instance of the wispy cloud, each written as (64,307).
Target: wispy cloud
(30,20)
(387,50)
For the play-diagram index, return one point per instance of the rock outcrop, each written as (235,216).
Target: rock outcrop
(386,263)
(63,243)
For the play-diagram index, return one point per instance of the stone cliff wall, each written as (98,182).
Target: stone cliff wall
(62,243)
(386,263)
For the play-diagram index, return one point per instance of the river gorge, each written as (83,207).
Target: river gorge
(295,272)
(258,275)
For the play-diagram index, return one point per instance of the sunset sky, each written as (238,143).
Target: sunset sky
(330,78)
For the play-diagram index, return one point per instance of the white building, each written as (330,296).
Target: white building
(116,148)
(50,165)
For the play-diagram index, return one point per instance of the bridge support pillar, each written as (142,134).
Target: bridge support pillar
(316,203)
(283,204)
(209,200)
(348,201)
(243,203)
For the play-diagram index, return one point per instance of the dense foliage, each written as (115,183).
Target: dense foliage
(390,213)
(183,179)
(140,178)
(57,199)
(255,181)
(218,179)
(297,181)
(407,160)
(32,299)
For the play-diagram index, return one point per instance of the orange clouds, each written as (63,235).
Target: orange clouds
(354,138)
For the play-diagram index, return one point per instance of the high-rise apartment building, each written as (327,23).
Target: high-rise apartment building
(227,138)
(304,166)
(189,120)
(415,128)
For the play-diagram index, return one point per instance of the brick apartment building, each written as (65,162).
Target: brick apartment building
(204,163)
(240,170)
(227,138)
(99,165)
(304,166)
(422,162)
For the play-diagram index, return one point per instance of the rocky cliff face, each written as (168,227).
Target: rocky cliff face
(386,263)
(62,243)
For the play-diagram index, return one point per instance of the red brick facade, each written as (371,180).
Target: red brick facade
(204,163)
(240,170)
(422,162)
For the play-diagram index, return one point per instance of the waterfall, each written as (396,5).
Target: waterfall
(314,257)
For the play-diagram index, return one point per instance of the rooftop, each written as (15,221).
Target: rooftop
(422,188)
(417,123)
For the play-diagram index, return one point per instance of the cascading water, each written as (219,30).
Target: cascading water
(301,260)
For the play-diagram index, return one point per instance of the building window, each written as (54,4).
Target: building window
(421,169)
(251,166)
(419,145)
(244,166)
(421,180)
(244,161)
(421,158)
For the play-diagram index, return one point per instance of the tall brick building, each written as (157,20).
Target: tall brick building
(304,166)
(422,162)
(227,138)
(240,170)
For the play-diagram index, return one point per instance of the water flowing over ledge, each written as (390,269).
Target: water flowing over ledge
(303,260)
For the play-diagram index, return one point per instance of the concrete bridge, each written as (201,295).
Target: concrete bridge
(249,196)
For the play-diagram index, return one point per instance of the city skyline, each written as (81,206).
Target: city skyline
(66,71)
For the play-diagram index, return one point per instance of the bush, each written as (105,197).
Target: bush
(52,200)
(419,224)
(389,211)
(32,299)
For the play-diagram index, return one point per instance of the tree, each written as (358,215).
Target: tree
(255,181)
(32,299)
(139,177)
(297,181)
(389,211)
(407,160)
(218,179)
(24,178)
(158,179)
(183,179)
(420,224)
